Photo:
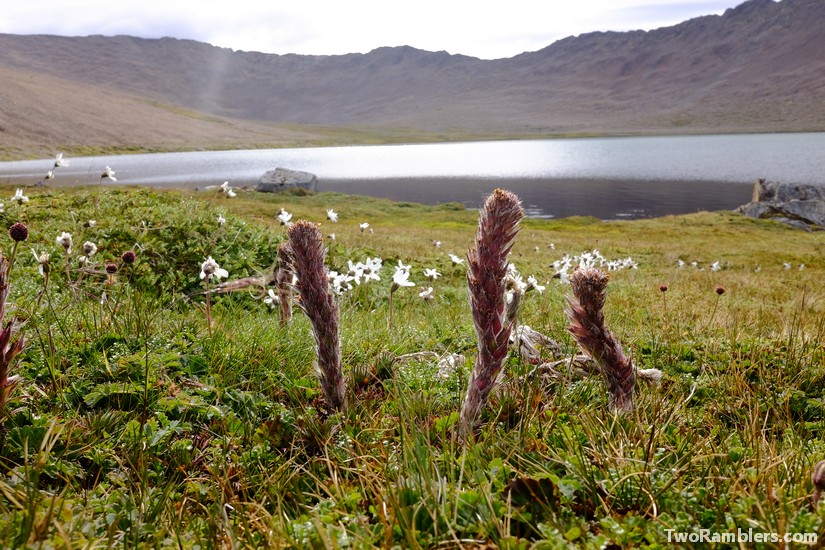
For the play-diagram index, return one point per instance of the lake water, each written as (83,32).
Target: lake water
(625,177)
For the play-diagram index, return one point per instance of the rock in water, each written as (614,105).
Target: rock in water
(797,205)
(281,179)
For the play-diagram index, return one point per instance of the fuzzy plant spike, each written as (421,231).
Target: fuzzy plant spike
(498,226)
(818,479)
(11,341)
(283,279)
(319,304)
(588,328)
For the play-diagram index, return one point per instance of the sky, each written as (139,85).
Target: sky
(481,28)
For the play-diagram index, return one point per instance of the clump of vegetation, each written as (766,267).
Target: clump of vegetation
(136,420)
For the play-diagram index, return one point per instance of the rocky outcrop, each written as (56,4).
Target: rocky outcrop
(797,205)
(281,179)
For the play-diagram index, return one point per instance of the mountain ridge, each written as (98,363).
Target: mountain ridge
(757,67)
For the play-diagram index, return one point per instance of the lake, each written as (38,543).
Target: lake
(610,178)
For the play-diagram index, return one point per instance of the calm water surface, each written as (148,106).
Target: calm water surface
(606,177)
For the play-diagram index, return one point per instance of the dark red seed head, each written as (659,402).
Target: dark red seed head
(19,232)
(720,290)
(128,257)
(111,268)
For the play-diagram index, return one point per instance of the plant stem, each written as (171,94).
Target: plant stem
(208,307)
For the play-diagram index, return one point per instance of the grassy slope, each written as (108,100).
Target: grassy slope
(132,425)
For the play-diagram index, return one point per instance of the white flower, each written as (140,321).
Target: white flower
(340,282)
(108,173)
(715,266)
(366,271)
(42,261)
(211,267)
(514,280)
(786,265)
(401,277)
(332,215)
(680,264)
(19,197)
(363,226)
(374,263)
(456,260)
(801,267)
(404,267)
(431,273)
(65,240)
(370,269)
(284,217)
(758,269)
(272,298)
(331,236)
(532,283)
(91,223)
(551,246)
(221,219)
(426,294)
(626,263)
(1,207)
(89,248)
(59,161)
(356,271)
(437,244)
(227,190)
(49,175)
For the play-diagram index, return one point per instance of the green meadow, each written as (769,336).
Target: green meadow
(136,420)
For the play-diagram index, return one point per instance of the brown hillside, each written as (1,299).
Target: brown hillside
(758,67)
(38,111)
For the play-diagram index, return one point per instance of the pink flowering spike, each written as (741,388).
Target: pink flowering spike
(588,328)
(818,480)
(283,279)
(4,285)
(318,302)
(10,347)
(498,226)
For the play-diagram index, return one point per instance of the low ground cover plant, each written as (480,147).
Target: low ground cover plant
(138,410)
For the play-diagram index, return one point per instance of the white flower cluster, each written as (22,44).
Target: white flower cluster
(590,259)
(715,266)
(361,272)
(227,190)
(516,282)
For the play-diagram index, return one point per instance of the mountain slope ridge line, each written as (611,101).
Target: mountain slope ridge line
(757,67)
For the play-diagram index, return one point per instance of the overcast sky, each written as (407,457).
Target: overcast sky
(481,28)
